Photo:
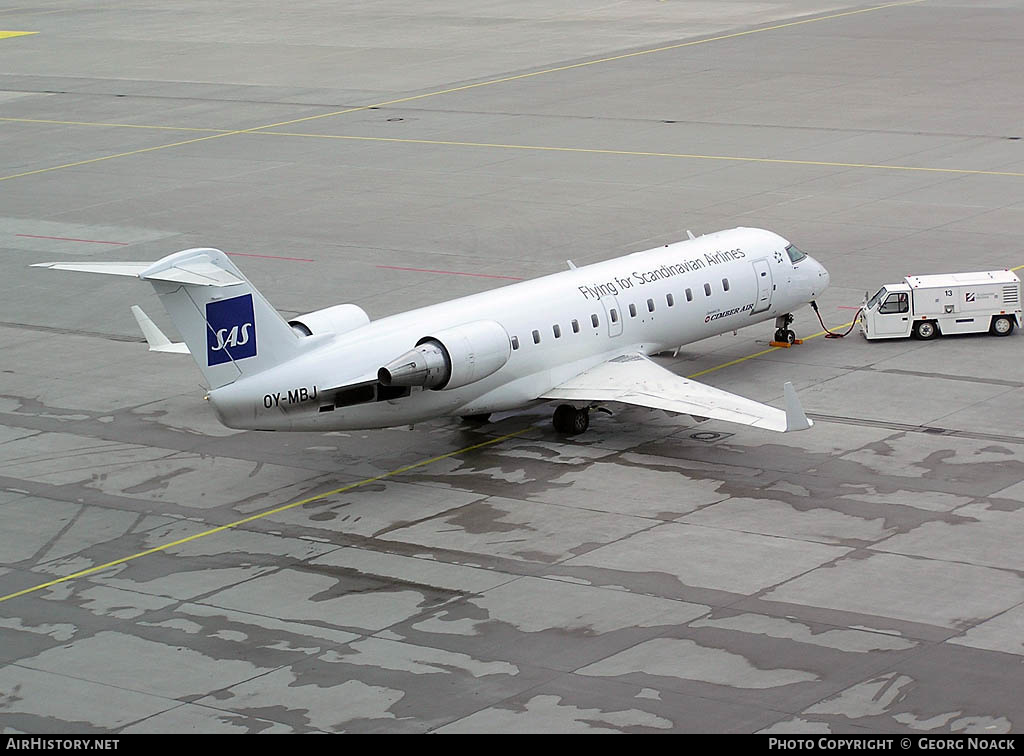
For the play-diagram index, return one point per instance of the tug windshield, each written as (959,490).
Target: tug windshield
(880,294)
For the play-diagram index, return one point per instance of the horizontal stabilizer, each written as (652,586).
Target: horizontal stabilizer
(109,268)
(227,326)
(156,339)
(634,379)
(197,270)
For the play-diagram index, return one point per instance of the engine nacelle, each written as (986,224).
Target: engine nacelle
(337,319)
(452,358)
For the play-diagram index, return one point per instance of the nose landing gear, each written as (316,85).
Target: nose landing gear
(784,335)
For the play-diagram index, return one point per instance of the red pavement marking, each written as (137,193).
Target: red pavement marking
(268,257)
(846,307)
(450,272)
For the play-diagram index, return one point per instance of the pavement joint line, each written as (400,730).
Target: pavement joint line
(260,515)
(489,82)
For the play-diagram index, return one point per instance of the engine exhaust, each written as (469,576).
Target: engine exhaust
(427,365)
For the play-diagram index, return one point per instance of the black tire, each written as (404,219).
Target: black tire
(925,330)
(780,335)
(563,418)
(1002,325)
(580,422)
(480,419)
(790,337)
(570,421)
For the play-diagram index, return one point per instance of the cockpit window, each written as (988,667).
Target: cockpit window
(878,295)
(795,253)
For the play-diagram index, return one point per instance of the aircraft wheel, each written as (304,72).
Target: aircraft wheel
(790,337)
(570,421)
(1002,326)
(580,421)
(925,329)
(562,419)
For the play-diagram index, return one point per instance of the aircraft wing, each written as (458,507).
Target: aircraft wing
(634,379)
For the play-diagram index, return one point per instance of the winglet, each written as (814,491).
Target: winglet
(796,418)
(156,339)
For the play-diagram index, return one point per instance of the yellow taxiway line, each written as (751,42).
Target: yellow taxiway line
(334,492)
(9,34)
(772,349)
(640,153)
(596,61)
(328,494)
(358,484)
(260,515)
(114,125)
(524,147)
(466,87)
(760,354)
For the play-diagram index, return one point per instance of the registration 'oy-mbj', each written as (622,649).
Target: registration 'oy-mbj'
(582,336)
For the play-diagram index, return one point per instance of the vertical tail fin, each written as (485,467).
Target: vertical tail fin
(230,329)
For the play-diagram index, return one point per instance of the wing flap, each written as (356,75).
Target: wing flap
(634,379)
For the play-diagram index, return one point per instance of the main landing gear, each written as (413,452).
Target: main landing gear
(571,421)
(784,335)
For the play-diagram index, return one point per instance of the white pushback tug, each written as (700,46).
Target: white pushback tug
(926,306)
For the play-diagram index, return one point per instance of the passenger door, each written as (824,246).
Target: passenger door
(763,272)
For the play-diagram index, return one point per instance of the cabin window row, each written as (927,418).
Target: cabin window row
(613,314)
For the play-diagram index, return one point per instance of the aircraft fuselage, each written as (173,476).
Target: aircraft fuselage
(554,328)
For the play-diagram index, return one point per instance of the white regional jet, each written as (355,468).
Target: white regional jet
(581,336)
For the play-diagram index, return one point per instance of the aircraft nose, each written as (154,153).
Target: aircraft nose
(817,278)
(823,276)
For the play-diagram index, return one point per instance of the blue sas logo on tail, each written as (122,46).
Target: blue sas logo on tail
(231,330)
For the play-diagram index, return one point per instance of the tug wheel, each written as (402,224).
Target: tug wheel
(925,329)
